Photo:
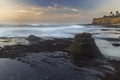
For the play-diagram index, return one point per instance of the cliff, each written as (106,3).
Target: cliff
(106,20)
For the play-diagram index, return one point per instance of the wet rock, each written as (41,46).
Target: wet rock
(104,29)
(116,45)
(112,39)
(36,45)
(84,45)
(33,38)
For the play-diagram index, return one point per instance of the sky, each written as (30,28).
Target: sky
(55,11)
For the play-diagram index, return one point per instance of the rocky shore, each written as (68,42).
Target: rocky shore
(31,44)
(61,58)
(81,45)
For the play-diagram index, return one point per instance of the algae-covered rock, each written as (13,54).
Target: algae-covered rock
(84,45)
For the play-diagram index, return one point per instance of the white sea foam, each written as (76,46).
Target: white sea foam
(66,31)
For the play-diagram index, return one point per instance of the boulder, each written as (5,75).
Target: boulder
(33,38)
(84,45)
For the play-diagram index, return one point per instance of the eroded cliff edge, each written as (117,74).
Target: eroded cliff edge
(106,21)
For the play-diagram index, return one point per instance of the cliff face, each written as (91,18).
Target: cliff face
(109,20)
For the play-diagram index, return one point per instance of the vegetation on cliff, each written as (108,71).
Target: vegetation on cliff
(112,14)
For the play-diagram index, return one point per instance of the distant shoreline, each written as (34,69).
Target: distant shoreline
(105,25)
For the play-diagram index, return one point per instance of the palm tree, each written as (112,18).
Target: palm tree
(117,13)
(111,13)
(104,16)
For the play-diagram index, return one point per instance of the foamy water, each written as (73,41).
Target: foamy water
(66,31)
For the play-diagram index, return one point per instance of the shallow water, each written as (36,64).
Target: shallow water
(12,41)
(50,66)
(15,70)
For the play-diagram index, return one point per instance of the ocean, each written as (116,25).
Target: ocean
(56,30)
(41,30)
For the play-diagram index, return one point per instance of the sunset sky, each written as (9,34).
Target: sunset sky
(55,11)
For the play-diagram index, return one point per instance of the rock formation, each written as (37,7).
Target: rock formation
(84,45)
(108,20)
(33,38)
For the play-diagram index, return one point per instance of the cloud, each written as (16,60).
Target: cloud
(75,10)
(55,5)
(81,4)
(55,10)
(42,14)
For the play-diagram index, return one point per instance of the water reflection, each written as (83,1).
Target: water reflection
(52,66)
(62,66)
(15,70)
